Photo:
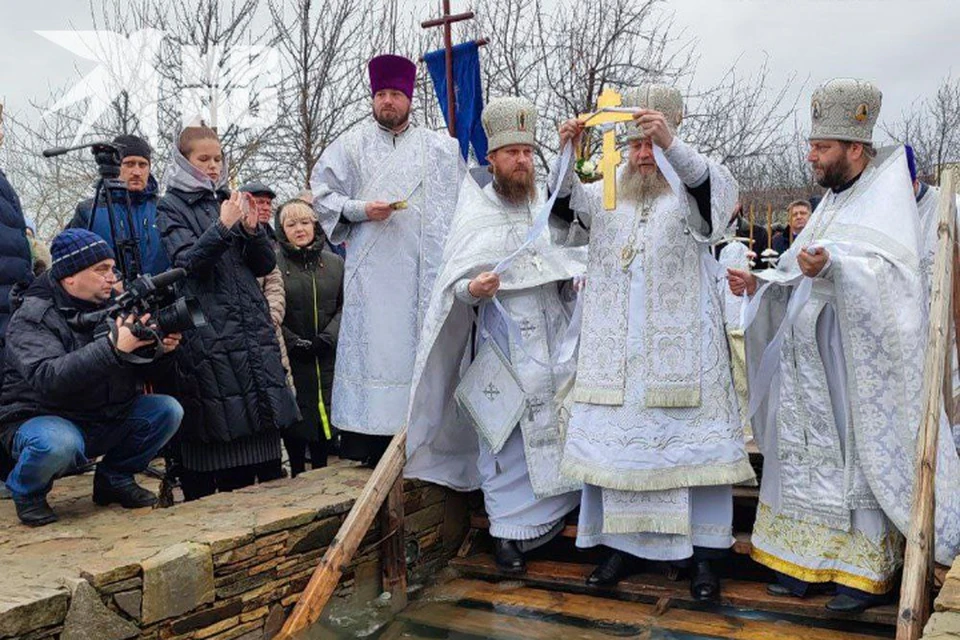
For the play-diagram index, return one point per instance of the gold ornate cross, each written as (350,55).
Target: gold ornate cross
(611,155)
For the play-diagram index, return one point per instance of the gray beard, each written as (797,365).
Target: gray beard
(633,186)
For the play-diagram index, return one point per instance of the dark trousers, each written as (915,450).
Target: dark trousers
(799,588)
(363,447)
(297,448)
(198,484)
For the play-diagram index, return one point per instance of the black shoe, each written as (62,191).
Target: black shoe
(777,589)
(35,512)
(508,557)
(845,603)
(615,567)
(705,584)
(131,496)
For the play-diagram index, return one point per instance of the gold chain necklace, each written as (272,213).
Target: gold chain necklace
(630,251)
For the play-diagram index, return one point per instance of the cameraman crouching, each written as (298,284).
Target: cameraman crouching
(68,396)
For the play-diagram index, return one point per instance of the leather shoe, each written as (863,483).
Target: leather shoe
(35,512)
(131,496)
(614,568)
(705,584)
(814,589)
(845,603)
(508,557)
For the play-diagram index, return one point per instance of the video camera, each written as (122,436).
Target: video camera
(153,295)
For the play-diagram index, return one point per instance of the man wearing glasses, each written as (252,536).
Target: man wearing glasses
(70,394)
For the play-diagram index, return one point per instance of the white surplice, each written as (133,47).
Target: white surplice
(655,432)
(838,426)
(390,265)
(524,493)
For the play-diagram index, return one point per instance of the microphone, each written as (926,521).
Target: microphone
(54,151)
(168,278)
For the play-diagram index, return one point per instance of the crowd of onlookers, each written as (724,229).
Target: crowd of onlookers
(221,401)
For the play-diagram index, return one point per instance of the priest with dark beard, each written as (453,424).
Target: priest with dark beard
(514,287)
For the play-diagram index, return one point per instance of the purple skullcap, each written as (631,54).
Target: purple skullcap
(911,161)
(392,72)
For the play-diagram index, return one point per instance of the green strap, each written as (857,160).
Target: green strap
(316,330)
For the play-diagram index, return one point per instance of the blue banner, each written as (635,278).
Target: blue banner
(467,92)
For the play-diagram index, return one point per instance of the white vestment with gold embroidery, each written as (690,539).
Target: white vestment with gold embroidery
(838,426)
(656,416)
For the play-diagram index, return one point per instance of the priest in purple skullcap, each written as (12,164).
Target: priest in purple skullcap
(387,189)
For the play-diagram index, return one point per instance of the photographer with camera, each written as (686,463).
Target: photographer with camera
(71,394)
(135,203)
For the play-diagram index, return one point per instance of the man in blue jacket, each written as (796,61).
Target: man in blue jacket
(142,190)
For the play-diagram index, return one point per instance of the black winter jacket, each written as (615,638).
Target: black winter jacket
(231,382)
(15,261)
(313,281)
(54,366)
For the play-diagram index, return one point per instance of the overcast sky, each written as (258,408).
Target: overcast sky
(905,46)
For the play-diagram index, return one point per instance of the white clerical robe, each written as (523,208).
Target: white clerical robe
(655,432)
(734,256)
(838,426)
(525,495)
(390,265)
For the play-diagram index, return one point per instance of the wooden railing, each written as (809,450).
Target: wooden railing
(918,562)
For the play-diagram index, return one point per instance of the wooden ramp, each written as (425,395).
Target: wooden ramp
(510,611)
(570,577)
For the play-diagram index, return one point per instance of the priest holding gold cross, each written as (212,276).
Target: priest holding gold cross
(655,434)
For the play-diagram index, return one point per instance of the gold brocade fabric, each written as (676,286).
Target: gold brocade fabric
(738,366)
(815,553)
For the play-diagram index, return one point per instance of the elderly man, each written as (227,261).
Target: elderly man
(494,274)
(389,189)
(838,340)
(655,433)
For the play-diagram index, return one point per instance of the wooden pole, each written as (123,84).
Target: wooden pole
(340,552)
(769,226)
(393,553)
(446,21)
(918,561)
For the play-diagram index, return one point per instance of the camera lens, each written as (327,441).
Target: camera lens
(183,314)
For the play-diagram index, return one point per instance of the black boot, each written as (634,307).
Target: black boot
(849,603)
(508,557)
(614,568)
(131,496)
(35,512)
(705,584)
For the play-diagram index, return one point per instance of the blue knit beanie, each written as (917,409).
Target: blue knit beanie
(76,249)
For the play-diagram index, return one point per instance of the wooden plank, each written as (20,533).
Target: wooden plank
(607,612)
(487,624)
(340,552)
(918,558)
(736,593)
(393,556)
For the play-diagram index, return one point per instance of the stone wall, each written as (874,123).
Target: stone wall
(235,567)
(944,624)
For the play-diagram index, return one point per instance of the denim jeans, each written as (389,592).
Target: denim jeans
(46,447)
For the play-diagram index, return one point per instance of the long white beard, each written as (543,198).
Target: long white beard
(633,186)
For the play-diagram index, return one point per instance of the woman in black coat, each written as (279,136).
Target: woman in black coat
(231,381)
(313,282)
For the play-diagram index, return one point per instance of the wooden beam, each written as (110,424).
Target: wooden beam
(325,577)
(393,555)
(918,560)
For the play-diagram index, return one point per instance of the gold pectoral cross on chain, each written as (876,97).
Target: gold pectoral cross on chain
(611,155)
